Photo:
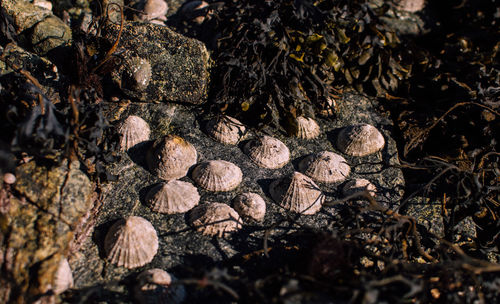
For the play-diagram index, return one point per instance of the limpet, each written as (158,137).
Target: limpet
(138,74)
(171,157)
(250,205)
(297,193)
(267,152)
(306,128)
(225,129)
(325,167)
(360,140)
(358,185)
(214,219)
(154,11)
(131,242)
(133,131)
(411,6)
(173,197)
(154,286)
(63,278)
(217,175)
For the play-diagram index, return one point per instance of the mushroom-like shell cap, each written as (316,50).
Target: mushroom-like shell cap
(325,167)
(214,219)
(297,193)
(411,6)
(358,185)
(250,205)
(173,197)
(225,129)
(133,131)
(153,286)
(267,152)
(171,157)
(307,128)
(154,9)
(63,279)
(217,175)
(131,242)
(360,140)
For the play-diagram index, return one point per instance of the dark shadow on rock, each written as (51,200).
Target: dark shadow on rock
(99,293)
(296,162)
(144,192)
(99,235)
(138,153)
(332,136)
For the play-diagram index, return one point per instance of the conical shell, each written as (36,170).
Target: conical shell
(225,129)
(267,152)
(358,185)
(250,205)
(306,128)
(214,219)
(133,130)
(171,157)
(63,279)
(217,175)
(411,6)
(297,193)
(173,197)
(131,242)
(360,140)
(154,287)
(138,74)
(325,167)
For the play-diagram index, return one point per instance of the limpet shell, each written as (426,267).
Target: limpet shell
(217,175)
(267,152)
(153,286)
(360,140)
(297,193)
(173,197)
(358,185)
(250,205)
(171,157)
(325,167)
(138,74)
(131,242)
(153,10)
(63,278)
(306,128)
(411,6)
(133,131)
(225,129)
(214,219)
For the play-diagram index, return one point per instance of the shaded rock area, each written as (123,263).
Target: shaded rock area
(187,253)
(179,65)
(38,223)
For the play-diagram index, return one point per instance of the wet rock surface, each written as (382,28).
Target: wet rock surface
(183,251)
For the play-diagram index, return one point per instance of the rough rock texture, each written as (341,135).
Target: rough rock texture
(188,253)
(38,226)
(49,34)
(179,64)
(24,13)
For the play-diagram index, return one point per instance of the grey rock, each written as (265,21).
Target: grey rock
(24,13)
(179,64)
(49,34)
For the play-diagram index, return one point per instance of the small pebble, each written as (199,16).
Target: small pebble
(9,178)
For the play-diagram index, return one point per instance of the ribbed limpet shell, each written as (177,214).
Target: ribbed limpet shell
(306,128)
(358,185)
(214,219)
(360,140)
(153,10)
(173,197)
(63,278)
(154,286)
(325,167)
(267,152)
(411,6)
(131,242)
(297,193)
(225,129)
(133,130)
(217,175)
(138,74)
(250,205)
(171,157)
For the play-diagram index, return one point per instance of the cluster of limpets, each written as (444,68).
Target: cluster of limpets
(133,242)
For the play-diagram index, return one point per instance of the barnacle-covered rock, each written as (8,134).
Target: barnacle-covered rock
(215,219)
(297,193)
(137,74)
(217,175)
(131,242)
(133,130)
(360,140)
(171,157)
(267,152)
(306,128)
(250,205)
(173,197)
(63,279)
(358,185)
(225,129)
(155,286)
(325,167)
